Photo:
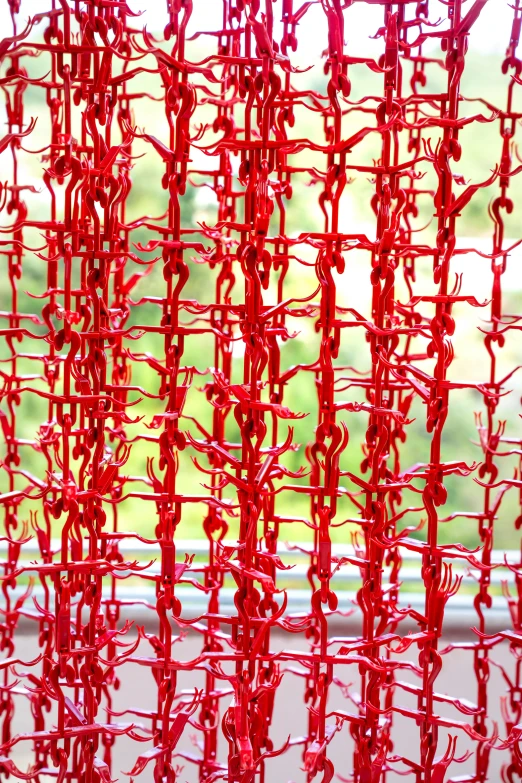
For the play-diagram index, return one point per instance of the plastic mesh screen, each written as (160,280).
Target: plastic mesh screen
(242,319)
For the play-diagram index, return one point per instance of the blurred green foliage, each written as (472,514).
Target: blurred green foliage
(481,150)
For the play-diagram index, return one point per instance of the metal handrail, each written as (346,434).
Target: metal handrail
(294,579)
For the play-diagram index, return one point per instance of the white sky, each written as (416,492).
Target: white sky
(489,34)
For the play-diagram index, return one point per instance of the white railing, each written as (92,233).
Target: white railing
(345,581)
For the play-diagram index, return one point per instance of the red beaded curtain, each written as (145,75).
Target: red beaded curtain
(244,328)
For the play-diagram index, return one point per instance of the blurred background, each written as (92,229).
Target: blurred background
(481,145)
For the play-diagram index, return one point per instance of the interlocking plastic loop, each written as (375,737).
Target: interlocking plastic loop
(203,379)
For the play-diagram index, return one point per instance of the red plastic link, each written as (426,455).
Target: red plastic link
(181,396)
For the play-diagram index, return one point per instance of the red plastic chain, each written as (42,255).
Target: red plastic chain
(177,397)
